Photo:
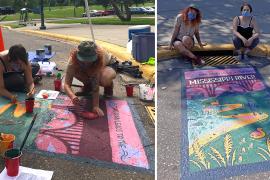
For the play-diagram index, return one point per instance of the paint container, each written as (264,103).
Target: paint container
(48,49)
(40,53)
(29,104)
(58,82)
(12,161)
(6,143)
(146,92)
(129,90)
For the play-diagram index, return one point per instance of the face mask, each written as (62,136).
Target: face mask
(246,13)
(191,16)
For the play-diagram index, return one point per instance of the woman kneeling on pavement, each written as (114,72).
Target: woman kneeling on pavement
(246,31)
(16,73)
(89,64)
(186,26)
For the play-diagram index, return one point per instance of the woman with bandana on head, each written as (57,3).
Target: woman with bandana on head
(89,63)
(246,31)
(186,26)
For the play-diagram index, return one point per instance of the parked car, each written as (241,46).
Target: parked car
(109,12)
(7,10)
(137,10)
(93,13)
(148,10)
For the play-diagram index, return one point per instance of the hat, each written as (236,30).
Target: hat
(87,51)
(193,6)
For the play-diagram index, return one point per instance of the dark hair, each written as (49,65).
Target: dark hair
(246,4)
(185,11)
(18,52)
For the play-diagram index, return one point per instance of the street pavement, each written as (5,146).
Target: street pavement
(65,169)
(114,34)
(169,114)
(216,27)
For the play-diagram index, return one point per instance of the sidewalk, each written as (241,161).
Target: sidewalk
(216,27)
(115,34)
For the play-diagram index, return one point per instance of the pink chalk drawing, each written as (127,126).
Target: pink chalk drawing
(213,83)
(113,138)
(125,141)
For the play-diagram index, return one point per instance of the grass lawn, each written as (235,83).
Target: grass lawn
(60,12)
(110,21)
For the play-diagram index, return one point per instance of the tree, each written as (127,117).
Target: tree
(104,3)
(124,12)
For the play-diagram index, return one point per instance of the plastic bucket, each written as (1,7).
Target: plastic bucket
(146,92)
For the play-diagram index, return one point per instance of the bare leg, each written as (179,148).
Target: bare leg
(106,77)
(106,80)
(183,50)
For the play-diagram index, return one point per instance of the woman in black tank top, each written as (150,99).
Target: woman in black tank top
(16,73)
(246,31)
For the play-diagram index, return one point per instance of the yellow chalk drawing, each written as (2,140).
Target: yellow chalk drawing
(4,108)
(233,157)
(267,152)
(240,120)
(200,155)
(18,112)
(228,146)
(230,107)
(216,155)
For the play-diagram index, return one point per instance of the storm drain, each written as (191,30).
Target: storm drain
(218,57)
(219,60)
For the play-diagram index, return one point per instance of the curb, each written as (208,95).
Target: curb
(163,52)
(118,51)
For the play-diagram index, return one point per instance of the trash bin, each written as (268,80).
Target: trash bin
(143,46)
(138,29)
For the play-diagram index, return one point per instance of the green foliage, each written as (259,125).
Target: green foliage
(110,21)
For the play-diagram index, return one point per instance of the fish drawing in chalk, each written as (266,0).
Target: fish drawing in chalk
(258,133)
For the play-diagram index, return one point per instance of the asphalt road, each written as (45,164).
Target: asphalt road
(169,113)
(217,18)
(65,169)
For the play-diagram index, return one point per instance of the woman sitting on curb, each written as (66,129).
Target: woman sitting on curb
(246,31)
(88,64)
(16,73)
(186,26)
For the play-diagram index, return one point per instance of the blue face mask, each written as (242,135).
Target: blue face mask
(191,16)
(246,13)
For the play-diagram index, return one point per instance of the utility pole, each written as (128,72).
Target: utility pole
(42,26)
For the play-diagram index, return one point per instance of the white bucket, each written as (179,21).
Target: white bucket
(146,92)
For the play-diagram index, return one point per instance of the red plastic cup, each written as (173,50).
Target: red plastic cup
(29,104)
(129,90)
(57,85)
(12,161)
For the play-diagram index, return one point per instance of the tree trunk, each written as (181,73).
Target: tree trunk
(123,15)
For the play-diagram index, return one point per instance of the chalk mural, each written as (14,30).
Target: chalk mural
(228,118)
(67,129)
